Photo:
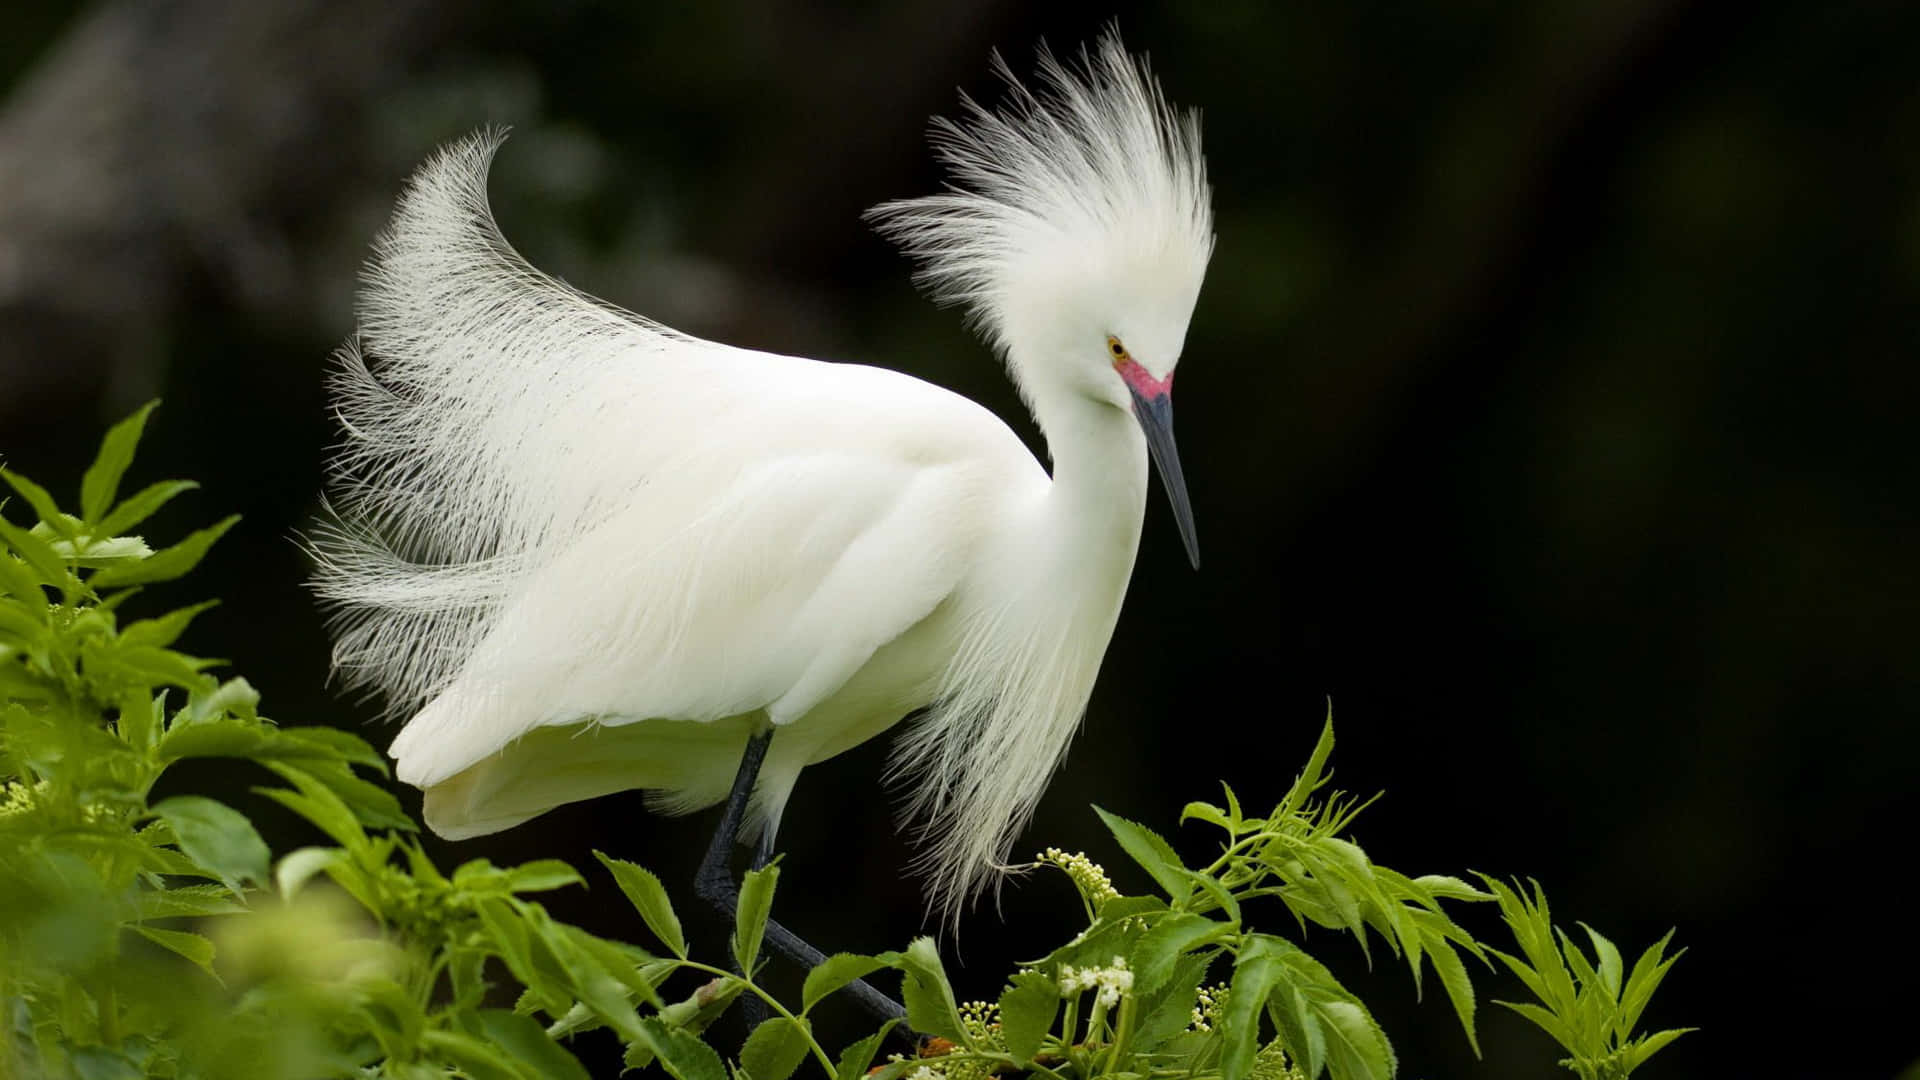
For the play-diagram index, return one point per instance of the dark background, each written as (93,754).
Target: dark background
(1547,408)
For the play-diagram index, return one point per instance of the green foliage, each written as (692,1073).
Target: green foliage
(143,937)
(1590,1007)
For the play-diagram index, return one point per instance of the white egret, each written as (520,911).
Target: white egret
(585,553)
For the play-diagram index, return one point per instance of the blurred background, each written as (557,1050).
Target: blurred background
(1548,408)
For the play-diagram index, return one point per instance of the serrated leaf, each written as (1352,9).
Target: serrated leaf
(924,989)
(43,505)
(102,480)
(644,891)
(1450,888)
(1454,980)
(217,837)
(1311,777)
(19,582)
(318,803)
(750,915)
(775,1048)
(1152,852)
(1207,812)
(1356,1047)
(682,1055)
(1027,1010)
(856,1058)
(192,946)
(1255,972)
(165,564)
(330,741)
(1648,972)
(1546,1021)
(1157,950)
(542,875)
(142,505)
(1167,1012)
(1646,1047)
(185,901)
(39,556)
(834,972)
(165,630)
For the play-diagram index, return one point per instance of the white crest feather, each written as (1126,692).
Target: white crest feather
(1094,171)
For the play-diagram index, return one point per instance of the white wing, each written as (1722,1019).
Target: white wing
(548,509)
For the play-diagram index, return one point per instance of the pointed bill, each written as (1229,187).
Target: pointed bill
(1155,414)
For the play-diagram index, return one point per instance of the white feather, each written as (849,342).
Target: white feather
(584,553)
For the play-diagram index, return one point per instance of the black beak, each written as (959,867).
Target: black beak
(1156,420)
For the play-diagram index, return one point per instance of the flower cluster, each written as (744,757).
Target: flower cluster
(1087,875)
(1209,1003)
(1112,982)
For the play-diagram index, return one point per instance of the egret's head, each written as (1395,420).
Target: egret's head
(1077,230)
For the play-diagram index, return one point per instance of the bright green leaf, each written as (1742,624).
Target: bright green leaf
(217,837)
(1171,936)
(166,564)
(1152,852)
(1027,1010)
(649,898)
(192,946)
(523,1038)
(775,1048)
(141,506)
(1255,972)
(42,503)
(857,1058)
(681,1054)
(102,480)
(750,915)
(833,973)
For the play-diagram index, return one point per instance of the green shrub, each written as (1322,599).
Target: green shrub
(143,938)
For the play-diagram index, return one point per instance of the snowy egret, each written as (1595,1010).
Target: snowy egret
(585,553)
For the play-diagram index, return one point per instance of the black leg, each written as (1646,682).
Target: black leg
(714,883)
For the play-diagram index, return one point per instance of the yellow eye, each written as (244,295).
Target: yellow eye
(1117,350)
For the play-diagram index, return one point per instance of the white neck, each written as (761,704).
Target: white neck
(1092,517)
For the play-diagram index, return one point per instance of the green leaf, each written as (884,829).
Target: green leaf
(835,972)
(1152,852)
(473,1056)
(318,803)
(1453,977)
(298,868)
(39,557)
(1167,1012)
(925,991)
(1642,1049)
(165,564)
(1648,971)
(523,1038)
(20,582)
(857,1058)
(1356,1047)
(142,505)
(681,1054)
(192,946)
(184,901)
(775,1048)
(1027,1010)
(165,630)
(330,742)
(542,875)
(1310,778)
(43,505)
(1255,972)
(750,915)
(102,480)
(649,898)
(1157,950)
(218,837)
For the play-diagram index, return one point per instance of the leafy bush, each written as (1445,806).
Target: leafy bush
(161,938)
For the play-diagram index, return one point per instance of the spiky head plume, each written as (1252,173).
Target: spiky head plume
(1091,186)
